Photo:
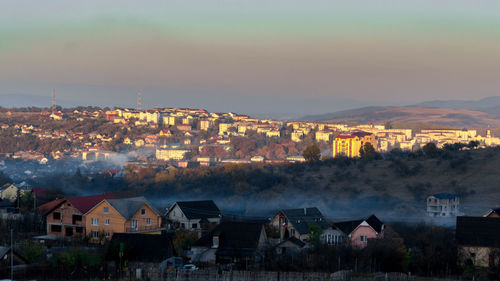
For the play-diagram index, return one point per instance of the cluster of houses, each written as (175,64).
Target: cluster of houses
(221,240)
(180,135)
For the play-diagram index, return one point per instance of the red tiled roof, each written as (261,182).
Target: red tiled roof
(47,207)
(39,191)
(345,137)
(82,203)
(85,203)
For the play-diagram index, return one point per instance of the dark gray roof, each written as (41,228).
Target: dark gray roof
(349,226)
(375,223)
(293,240)
(301,218)
(4,251)
(478,231)
(234,236)
(199,209)
(128,207)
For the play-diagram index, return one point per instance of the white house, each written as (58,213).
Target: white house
(443,205)
(191,215)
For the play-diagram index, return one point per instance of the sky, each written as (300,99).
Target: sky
(251,56)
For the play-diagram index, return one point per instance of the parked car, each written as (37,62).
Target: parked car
(190,267)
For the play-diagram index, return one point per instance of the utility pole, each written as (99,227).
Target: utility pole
(139,100)
(12,254)
(53,100)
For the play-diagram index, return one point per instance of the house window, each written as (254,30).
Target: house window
(143,212)
(363,238)
(148,221)
(183,225)
(106,222)
(215,242)
(56,215)
(106,210)
(55,228)
(194,225)
(107,234)
(95,222)
(76,219)
(95,234)
(133,224)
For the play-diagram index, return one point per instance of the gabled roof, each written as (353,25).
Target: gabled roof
(199,209)
(5,250)
(301,218)
(445,196)
(349,226)
(478,231)
(141,247)
(491,211)
(82,203)
(128,207)
(294,241)
(375,223)
(233,236)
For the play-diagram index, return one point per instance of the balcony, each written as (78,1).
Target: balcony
(141,229)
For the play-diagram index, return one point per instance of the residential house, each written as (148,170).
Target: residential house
(10,192)
(111,216)
(296,222)
(290,246)
(358,232)
(332,235)
(443,205)
(193,215)
(65,216)
(145,254)
(477,239)
(240,243)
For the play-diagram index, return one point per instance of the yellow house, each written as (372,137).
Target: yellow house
(10,193)
(120,216)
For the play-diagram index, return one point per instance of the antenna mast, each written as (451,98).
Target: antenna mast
(139,101)
(53,100)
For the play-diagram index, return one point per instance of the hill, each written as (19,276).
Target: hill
(393,187)
(457,118)
(488,104)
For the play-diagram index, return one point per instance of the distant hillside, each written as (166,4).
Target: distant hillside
(489,104)
(457,118)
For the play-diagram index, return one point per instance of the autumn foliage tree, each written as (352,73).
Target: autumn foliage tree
(312,153)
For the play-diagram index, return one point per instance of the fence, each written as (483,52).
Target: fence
(345,275)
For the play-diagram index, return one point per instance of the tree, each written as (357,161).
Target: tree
(367,150)
(431,149)
(312,153)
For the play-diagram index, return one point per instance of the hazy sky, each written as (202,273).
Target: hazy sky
(251,56)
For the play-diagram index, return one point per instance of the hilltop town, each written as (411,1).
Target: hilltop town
(194,137)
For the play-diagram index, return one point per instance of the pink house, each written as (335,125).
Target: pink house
(358,232)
